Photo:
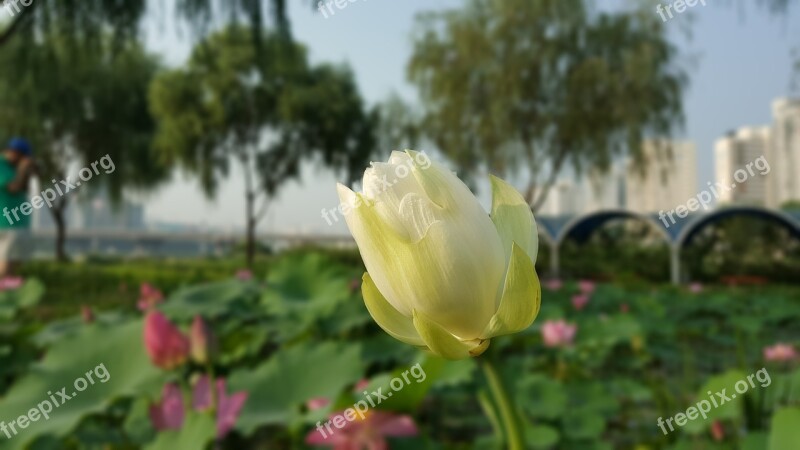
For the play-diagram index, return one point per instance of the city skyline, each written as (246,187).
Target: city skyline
(733,47)
(666,178)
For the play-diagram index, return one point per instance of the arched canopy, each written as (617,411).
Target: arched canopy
(778,217)
(550,226)
(581,228)
(546,229)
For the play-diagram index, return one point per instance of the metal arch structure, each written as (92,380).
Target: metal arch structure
(677,231)
(544,232)
(582,227)
(790,220)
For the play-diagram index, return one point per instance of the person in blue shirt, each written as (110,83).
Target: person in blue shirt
(16,169)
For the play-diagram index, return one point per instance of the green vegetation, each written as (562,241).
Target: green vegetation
(300,331)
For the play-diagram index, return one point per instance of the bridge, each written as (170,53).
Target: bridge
(552,230)
(677,232)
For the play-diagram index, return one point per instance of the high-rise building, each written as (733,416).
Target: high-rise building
(563,199)
(784,159)
(603,190)
(733,153)
(667,177)
(592,192)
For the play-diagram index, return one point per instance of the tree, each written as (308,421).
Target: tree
(544,84)
(87,20)
(398,127)
(267,114)
(77,107)
(75,21)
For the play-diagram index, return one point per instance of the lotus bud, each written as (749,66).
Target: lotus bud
(717,431)
(355,285)
(203,343)
(167,347)
(316,403)
(87,315)
(441,273)
(149,297)
(580,301)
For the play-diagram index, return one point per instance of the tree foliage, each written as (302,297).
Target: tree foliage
(543,84)
(84,22)
(263,107)
(77,22)
(77,106)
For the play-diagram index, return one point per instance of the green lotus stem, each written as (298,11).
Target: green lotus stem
(502,400)
(491,414)
(212,382)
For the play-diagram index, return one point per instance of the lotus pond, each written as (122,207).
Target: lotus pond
(264,361)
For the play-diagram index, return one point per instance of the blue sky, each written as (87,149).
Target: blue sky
(742,60)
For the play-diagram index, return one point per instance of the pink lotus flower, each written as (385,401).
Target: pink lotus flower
(228,408)
(369,433)
(780,353)
(586,287)
(321,402)
(244,275)
(695,288)
(355,285)
(149,297)
(168,414)
(201,340)
(580,301)
(167,347)
(554,284)
(361,386)
(317,403)
(717,431)
(558,333)
(10,283)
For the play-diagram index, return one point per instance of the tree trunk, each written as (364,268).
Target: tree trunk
(250,239)
(60,221)
(251,243)
(537,204)
(530,192)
